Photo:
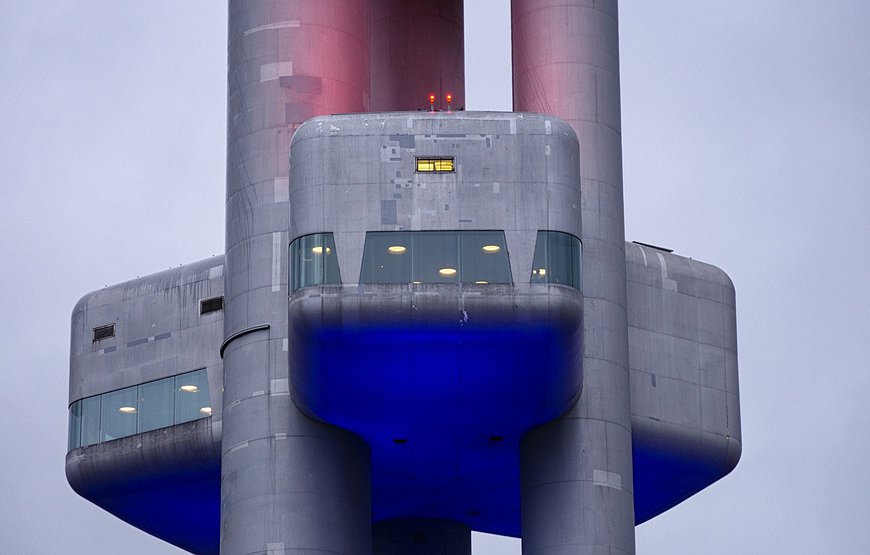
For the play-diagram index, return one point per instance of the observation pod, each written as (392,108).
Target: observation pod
(436,307)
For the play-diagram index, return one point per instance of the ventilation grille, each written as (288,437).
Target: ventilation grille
(102,332)
(211,305)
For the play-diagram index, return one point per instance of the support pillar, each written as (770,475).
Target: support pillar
(576,472)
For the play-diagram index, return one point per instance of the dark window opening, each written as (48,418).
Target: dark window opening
(211,305)
(103,332)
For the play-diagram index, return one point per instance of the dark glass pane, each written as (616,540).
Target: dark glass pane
(484,257)
(313,261)
(91,420)
(331,273)
(156,404)
(119,413)
(75,426)
(435,256)
(386,257)
(191,396)
(558,259)
(539,263)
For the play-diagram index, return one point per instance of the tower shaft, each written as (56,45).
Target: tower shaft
(287,482)
(577,485)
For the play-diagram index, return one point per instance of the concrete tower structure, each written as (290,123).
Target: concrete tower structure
(426,322)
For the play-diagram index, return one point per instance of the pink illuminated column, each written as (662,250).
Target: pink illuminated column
(577,484)
(417,49)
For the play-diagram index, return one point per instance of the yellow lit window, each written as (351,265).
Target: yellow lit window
(435,165)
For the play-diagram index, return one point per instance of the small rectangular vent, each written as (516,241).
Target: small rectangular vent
(102,332)
(211,305)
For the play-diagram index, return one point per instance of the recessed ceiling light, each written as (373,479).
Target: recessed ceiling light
(542,271)
(205,410)
(319,250)
(189,388)
(416,282)
(447,272)
(490,248)
(396,249)
(481,282)
(127,410)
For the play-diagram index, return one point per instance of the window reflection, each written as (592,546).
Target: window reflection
(155,405)
(137,409)
(557,259)
(91,421)
(435,257)
(191,395)
(118,414)
(75,425)
(386,258)
(313,261)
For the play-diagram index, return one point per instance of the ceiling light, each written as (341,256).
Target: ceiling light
(189,388)
(127,410)
(319,250)
(481,282)
(396,249)
(490,249)
(447,272)
(205,410)
(542,271)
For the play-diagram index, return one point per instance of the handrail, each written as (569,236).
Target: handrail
(240,333)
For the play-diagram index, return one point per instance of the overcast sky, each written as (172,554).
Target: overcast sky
(746,143)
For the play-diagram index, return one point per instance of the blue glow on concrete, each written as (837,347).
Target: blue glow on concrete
(443,408)
(664,477)
(182,508)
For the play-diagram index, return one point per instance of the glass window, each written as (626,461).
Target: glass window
(558,259)
(435,257)
(91,420)
(484,257)
(156,405)
(386,257)
(75,425)
(426,165)
(119,413)
(191,396)
(313,261)
(137,409)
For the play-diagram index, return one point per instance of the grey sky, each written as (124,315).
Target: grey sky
(746,132)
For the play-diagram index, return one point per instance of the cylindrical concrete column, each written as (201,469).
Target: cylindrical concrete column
(288,484)
(577,492)
(417,49)
(421,536)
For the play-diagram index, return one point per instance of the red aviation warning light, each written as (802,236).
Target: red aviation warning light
(431,102)
(449,98)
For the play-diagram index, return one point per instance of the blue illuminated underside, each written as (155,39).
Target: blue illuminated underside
(182,508)
(443,409)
